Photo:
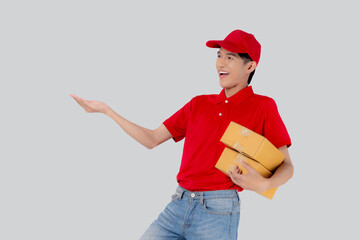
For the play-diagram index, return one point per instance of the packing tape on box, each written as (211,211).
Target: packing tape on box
(239,157)
(237,146)
(245,132)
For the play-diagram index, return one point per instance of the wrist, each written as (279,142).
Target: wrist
(108,111)
(267,184)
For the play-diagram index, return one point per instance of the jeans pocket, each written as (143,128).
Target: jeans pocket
(237,204)
(222,206)
(175,197)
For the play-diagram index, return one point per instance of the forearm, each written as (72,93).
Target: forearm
(252,180)
(142,135)
(282,174)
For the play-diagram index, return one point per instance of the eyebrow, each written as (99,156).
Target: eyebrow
(232,54)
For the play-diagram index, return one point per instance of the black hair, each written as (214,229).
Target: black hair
(247,59)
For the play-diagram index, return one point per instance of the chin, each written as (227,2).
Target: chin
(225,85)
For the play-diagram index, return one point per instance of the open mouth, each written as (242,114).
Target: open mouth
(223,74)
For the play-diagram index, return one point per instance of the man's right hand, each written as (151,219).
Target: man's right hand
(148,138)
(91,106)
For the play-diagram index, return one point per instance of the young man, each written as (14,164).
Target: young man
(206,204)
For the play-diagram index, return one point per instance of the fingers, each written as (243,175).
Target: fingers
(236,177)
(248,167)
(237,171)
(236,174)
(252,180)
(81,102)
(231,176)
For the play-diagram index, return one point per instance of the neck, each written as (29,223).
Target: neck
(233,90)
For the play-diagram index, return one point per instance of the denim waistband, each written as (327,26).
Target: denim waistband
(231,193)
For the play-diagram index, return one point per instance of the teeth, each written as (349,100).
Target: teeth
(222,72)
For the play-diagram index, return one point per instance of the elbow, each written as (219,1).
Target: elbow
(151,145)
(292,172)
(153,141)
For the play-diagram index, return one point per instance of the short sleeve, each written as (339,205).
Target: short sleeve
(177,123)
(274,127)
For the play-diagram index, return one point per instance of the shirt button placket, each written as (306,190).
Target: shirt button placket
(220,114)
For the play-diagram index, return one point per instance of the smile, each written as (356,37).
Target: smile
(223,74)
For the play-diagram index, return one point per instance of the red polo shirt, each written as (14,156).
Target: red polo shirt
(203,121)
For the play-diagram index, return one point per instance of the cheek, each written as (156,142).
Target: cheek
(217,63)
(234,70)
(238,71)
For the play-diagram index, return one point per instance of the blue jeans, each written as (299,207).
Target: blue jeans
(210,215)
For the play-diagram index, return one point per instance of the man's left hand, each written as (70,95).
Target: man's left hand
(252,180)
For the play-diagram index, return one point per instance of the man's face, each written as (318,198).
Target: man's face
(231,69)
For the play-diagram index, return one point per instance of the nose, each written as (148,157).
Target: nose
(220,62)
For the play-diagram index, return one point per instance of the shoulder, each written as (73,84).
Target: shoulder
(199,101)
(264,104)
(205,98)
(263,100)
(202,96)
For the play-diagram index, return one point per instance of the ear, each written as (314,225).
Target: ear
(251,66)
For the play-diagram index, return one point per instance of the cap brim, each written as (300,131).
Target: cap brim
(221,43)
(213,44)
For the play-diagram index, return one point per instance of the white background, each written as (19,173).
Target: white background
(68,174)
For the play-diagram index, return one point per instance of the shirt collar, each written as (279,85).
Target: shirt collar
(238,97)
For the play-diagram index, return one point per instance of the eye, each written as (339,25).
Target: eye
(230,58)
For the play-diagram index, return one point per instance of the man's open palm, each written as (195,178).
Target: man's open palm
(91,106)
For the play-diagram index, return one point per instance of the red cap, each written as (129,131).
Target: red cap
(239,41)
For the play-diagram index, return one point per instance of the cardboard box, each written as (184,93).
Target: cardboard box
(252,145)
(229,159)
